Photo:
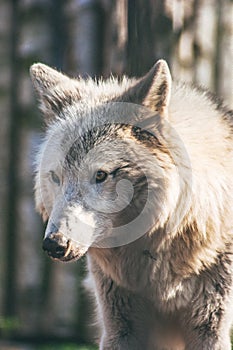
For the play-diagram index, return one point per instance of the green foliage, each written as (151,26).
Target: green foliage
(8,325)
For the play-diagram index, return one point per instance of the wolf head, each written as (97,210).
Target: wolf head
(100,177)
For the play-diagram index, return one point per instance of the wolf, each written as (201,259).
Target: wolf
(137,175)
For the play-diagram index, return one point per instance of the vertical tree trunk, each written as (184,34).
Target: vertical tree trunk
(86,37)
(14,146)
(149,35)
(5,16)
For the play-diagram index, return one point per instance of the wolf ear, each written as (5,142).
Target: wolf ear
(158,95)
(154,89)
(55,90)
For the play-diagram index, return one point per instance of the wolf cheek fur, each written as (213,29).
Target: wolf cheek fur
(170,286)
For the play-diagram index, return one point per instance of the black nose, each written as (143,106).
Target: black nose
(56,245)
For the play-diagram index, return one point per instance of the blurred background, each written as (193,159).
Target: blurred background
(42,302)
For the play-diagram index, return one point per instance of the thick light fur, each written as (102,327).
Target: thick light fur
(172,287)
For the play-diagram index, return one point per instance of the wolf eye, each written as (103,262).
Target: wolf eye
(55,178)
(100,176)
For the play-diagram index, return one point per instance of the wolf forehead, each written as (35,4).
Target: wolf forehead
(107,135)
(89,139)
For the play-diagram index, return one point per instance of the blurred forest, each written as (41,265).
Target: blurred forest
(41,300)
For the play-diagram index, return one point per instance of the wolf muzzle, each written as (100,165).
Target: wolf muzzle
(60,248)
(57,246)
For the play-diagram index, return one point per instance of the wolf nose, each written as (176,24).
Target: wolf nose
(56,245)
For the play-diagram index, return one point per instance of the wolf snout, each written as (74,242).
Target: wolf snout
(57,246)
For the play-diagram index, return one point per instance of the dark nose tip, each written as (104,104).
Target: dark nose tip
(55,245)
